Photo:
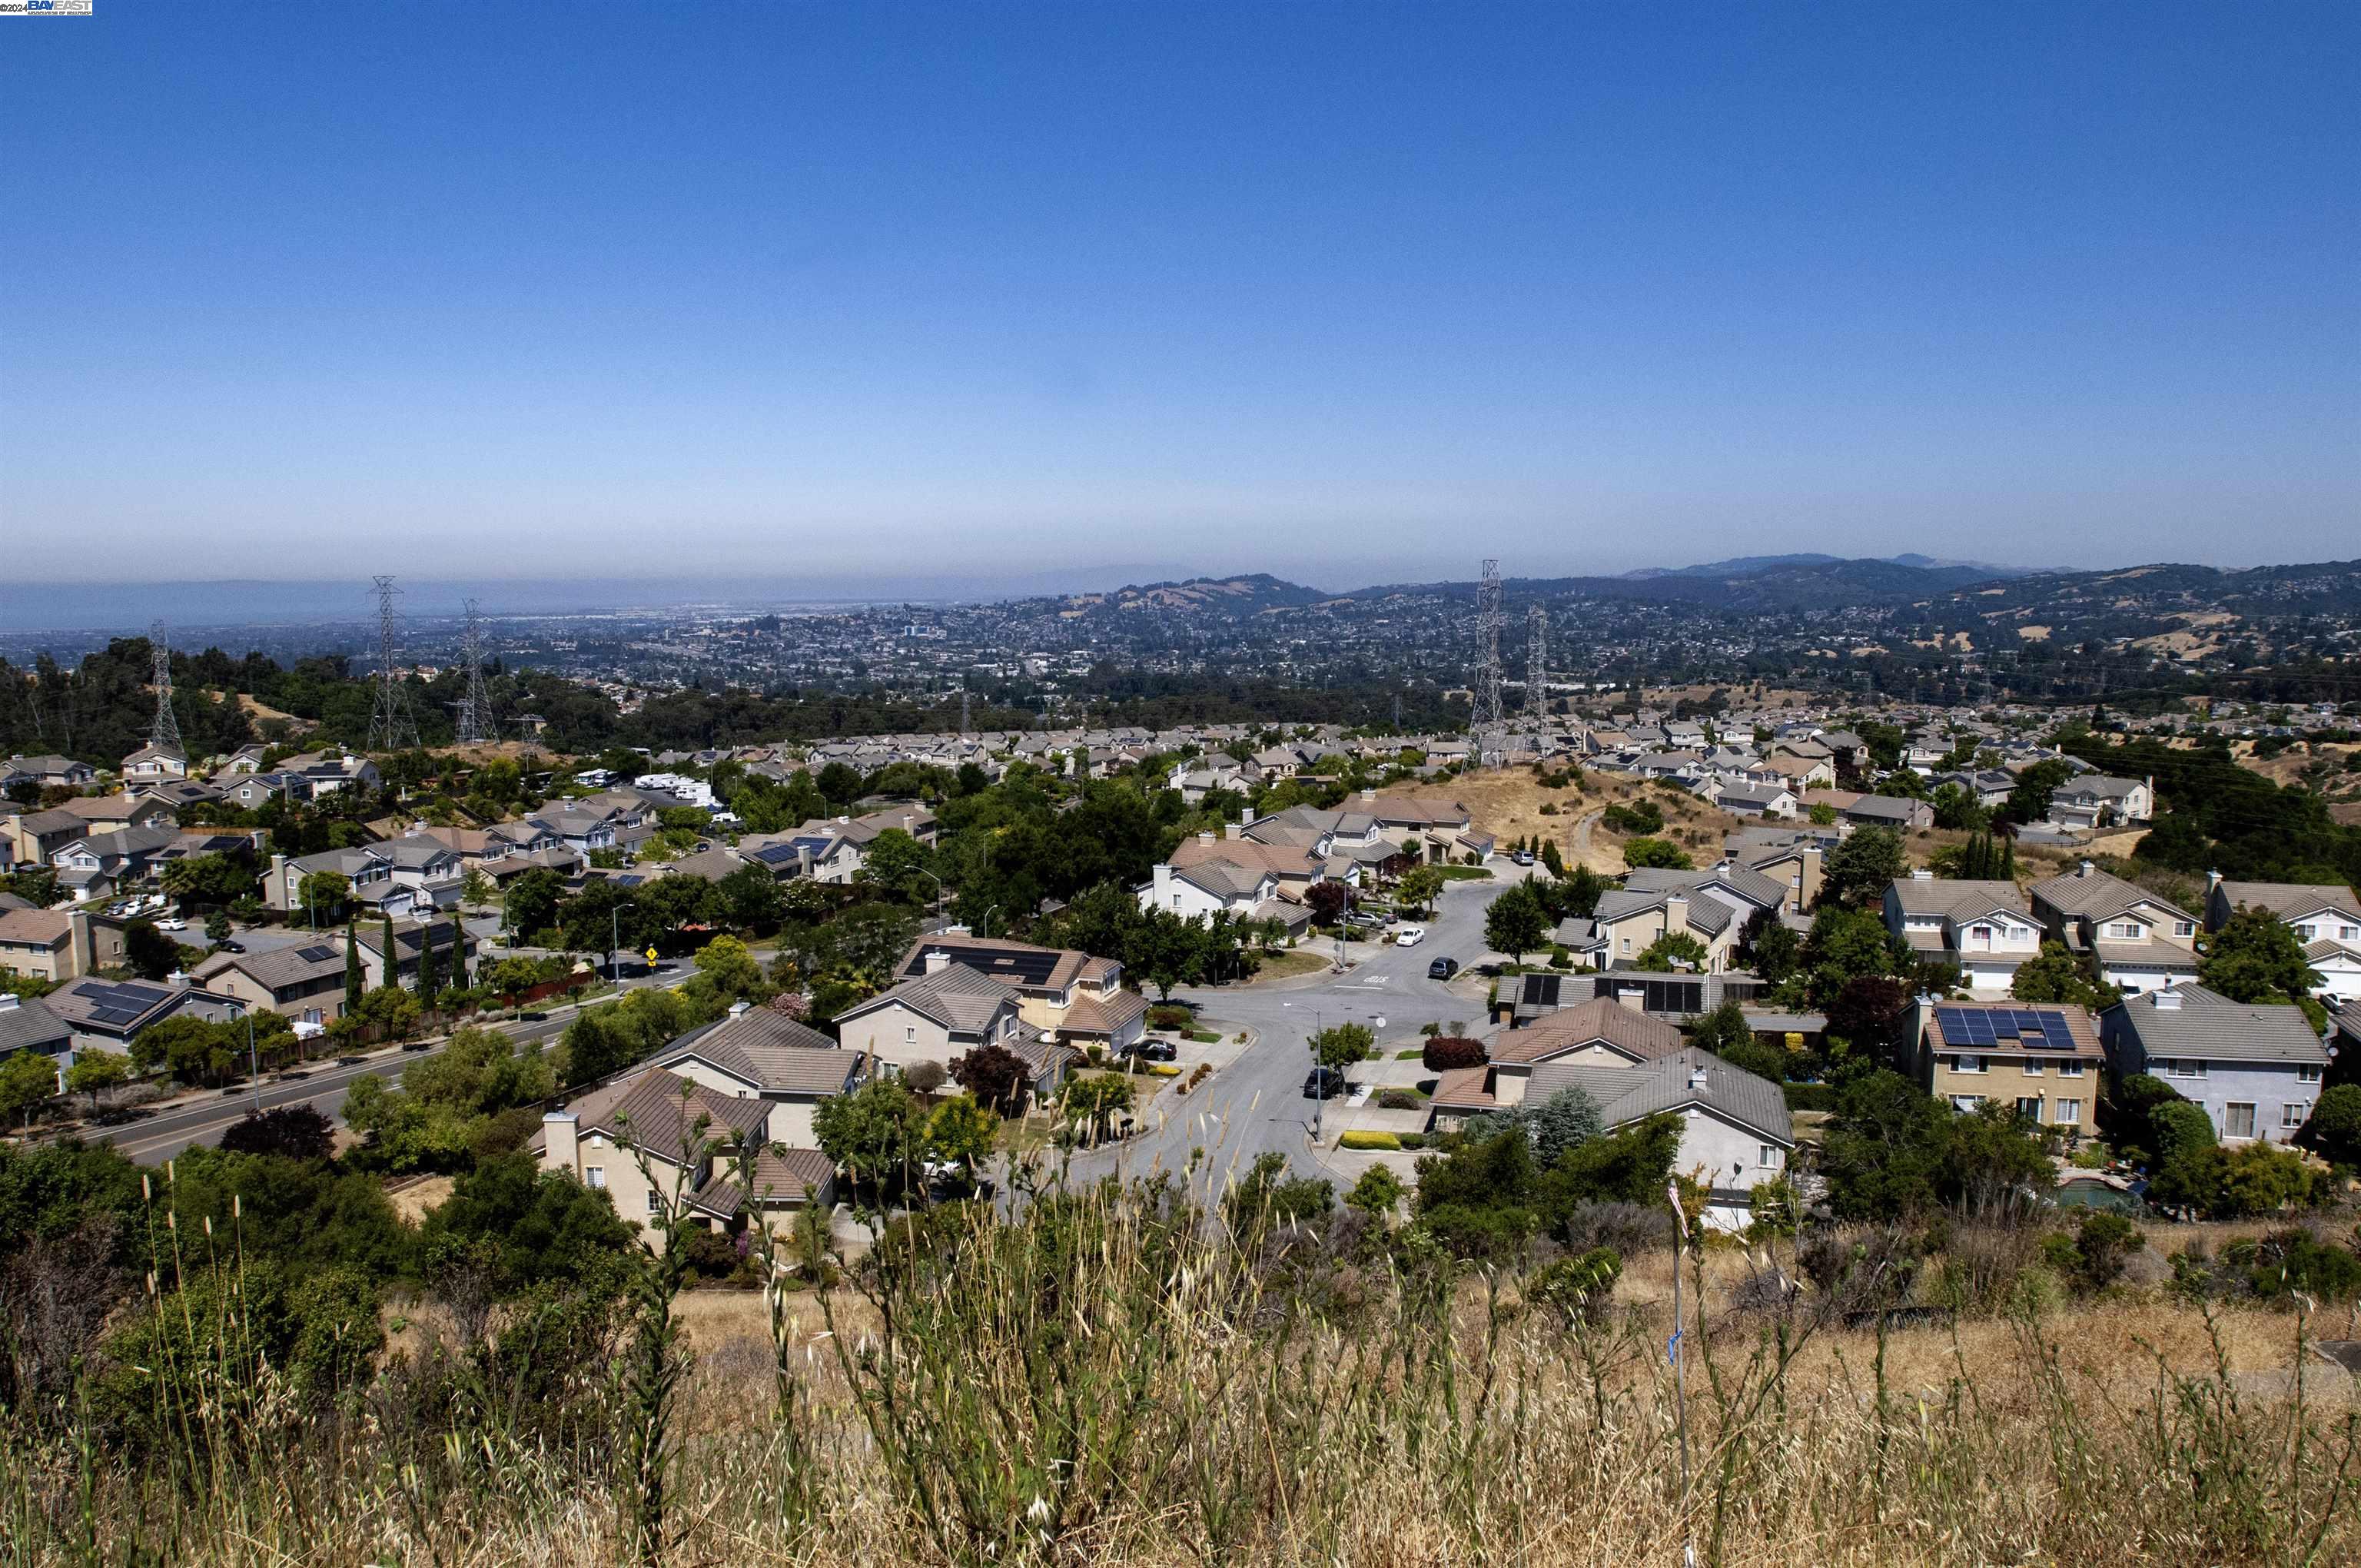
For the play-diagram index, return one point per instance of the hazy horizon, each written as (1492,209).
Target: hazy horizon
(1081,294)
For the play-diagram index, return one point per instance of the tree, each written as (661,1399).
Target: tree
(996,1077)
(94,1072)
(1856,872)
(728,972)
(532,903)
(1864,1008)
(291,1131)
(897,864)
(1326,900)
(389,957)
(427,982)
(1516,924)
(218,927)
(872,1133)
(1671,951)
(393,1010)
(1342,1045)
(963,1131)
(27,1083)
(2029,801)
(1566,1119)
(353,985)
(1774,948)
(194,1049)
(475,888)
(322,894)
(1656,854)
(1091,1103)
(1956,808)
(1421,886)
(1579,892)
(151,954)
(2256,956)
(2333,1129)
(2055,975)
(1377,1194)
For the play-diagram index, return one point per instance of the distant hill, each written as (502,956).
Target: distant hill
(1760,583)
(1248,594)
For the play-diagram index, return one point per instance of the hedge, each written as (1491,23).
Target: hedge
(1444,1052)
(1363,1139)
(1810,1096)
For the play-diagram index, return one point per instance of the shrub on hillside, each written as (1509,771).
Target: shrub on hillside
(1444,1052)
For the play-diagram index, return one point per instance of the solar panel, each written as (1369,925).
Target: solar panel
(315,955)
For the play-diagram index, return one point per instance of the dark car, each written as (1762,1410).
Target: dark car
(118,1115)
(350,1061)
(231,1091)
(413,1044)
(291,1075)
(533,1017)
(1157,1050)
(1324,1083)
(1442,969)
(229,946)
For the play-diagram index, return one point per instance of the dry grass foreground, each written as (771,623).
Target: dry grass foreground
(1115,1378)
(1507,801)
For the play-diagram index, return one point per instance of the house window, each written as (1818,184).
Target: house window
(655,1202)
(2293,1116)
(909,1033)
(2308,931)
(2029,1107)
(1966,1101)
(2070,1069)
(2031,1067)
(2183,1067)
(1767,1157)
(2238,1120)
(1968,1064)
(594,1176)
(2307,1075)
(2348,933)
(2124,930)
(2066,1113)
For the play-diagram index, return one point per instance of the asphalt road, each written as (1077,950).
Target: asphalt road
(1256,1105)
(165,1135)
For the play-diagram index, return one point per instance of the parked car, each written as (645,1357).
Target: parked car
(1409,935)
(533,1017)
(1442,969)
(232,945)
(413,1044)
(1325,1083)
(1522,857)
(172,924)
(350,1061)
(292,1075)
(1157,1050)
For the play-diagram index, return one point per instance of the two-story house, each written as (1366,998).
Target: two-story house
(2257,1069)
(755,1053)
(108,1015)
(1986,928)
(305,982)
(2044,1059)
(2097,800)
(936,1017)
(1628,921)
(2141,941)
(2324,916)
(51,772)
(1065,994)
(654,1140)
(58,944)
(155,764)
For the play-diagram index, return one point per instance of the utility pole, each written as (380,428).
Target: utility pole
(475,705)
(391,727)
(164,732)
(1537,665)
(1484,714)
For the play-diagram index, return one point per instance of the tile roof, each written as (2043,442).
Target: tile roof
(957,998)
(779,1176)
(657,1109)
(2095,895)
(2208,1024)
(1958,900)
(30,1025)
(2291,900)
(1625,1094)
(773,1052)
(1570,1028)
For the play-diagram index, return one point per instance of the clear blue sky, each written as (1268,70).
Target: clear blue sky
(1353,292)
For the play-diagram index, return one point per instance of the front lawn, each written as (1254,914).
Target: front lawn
(1464,873)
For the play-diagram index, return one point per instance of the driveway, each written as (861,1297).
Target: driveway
(1256,1105)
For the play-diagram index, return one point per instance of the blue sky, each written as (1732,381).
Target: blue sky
(1353,294)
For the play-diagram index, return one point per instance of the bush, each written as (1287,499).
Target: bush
(1398,1099)
(1164,1070)
(1362,1139)
(1628,1229)
(1413,1140)
(1810,1096)
(1166,1016)
(1444,1052)
(1582,1287)
(2092,1259)
(2293,1260)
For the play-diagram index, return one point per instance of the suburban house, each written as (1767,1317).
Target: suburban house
(103,863)
(27,1024)
(30,837)
(2096,800)
(1789,858)
(1735,1131)
(2257,1069)
(118,812)
(1756,800)
(398,877)
(326,772)
(1899,812)
(2140,941)
(1209,887)
(2325,918)
(108,1015)
(1983,927)
(58,944)
(2046,1059)
(647,1141)
(938,1016)
(1067,996)
(757,1054)
(815,853)
(305,984)
(1628,920)
(155,764)
(50,772)
(450,938)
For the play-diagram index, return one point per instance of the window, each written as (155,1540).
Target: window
(2348,933)
(594,1176)
(2029,1107)
(2308,932)
(2070,1069)
(2033,1067)
(1968,1064)
(2293,1116)
(2307,1075)
(909,1033)
(2126,930)
(2065,1113)
(2184,927)
(2238,1120)
(1966,1101)
(1767,1157)
(2182,1067)
(655,1202)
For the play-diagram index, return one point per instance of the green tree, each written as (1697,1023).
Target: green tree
(475,888)
(1516,924)
(1656,854)
(353,985)
(875,1134)
(1377,1194)
(2256,956)
(1342,1045)
(2057,975)
(94,1072)
(27,1083)
(897,865)
(151,954)
(1562,1123)
(1091,1103)
(1672,950)
(963,1131)
(2334,1129)
(1421,886)
(322,894)
(1856,872)
(532,901)
(218,927)
(389,957)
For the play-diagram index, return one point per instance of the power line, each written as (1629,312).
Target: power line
(1537,665)
(475,724)
(391,727)
(164,733)
(1484,716)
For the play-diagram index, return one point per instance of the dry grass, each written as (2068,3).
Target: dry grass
(1507,801)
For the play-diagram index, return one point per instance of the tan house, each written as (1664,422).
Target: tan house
(1602,1033)
(2045,1058)
(56,945)
(652,1139)
(1063,994)
(936,1017)
(305,982)
(756,1054)
(2140,941)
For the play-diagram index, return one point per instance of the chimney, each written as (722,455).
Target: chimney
(737,1007)
(10,1002)
(558,1131)
(955,931)
(80,951)
(2168,1000)
(938,961)
(2085,868)
(2212,881)
(1677,913)
(1920,873)
(1697,1076)
(1205,838)
(179,980)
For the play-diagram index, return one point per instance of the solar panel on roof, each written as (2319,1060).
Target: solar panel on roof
(315,955)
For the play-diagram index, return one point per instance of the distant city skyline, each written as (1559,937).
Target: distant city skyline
(863,298)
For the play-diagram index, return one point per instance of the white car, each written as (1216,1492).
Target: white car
(1409,935)
(174,924)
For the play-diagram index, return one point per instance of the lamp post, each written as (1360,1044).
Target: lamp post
(939,891)
(983,927)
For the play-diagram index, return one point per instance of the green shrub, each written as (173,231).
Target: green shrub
(1810,1096)
(1171,1016)
(1360,1138)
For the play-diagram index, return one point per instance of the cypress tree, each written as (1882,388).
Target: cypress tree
(352,969)
(426,965)
(391,977)
(2008,860)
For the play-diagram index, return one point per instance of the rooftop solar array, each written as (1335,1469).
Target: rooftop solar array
(315,955)
(2032,1028)
(117,1004)
(1025,969)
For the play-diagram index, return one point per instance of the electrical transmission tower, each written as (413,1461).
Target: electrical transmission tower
(475,724)
(164,734)
(391,727)
(1537,665)
(1484,718)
